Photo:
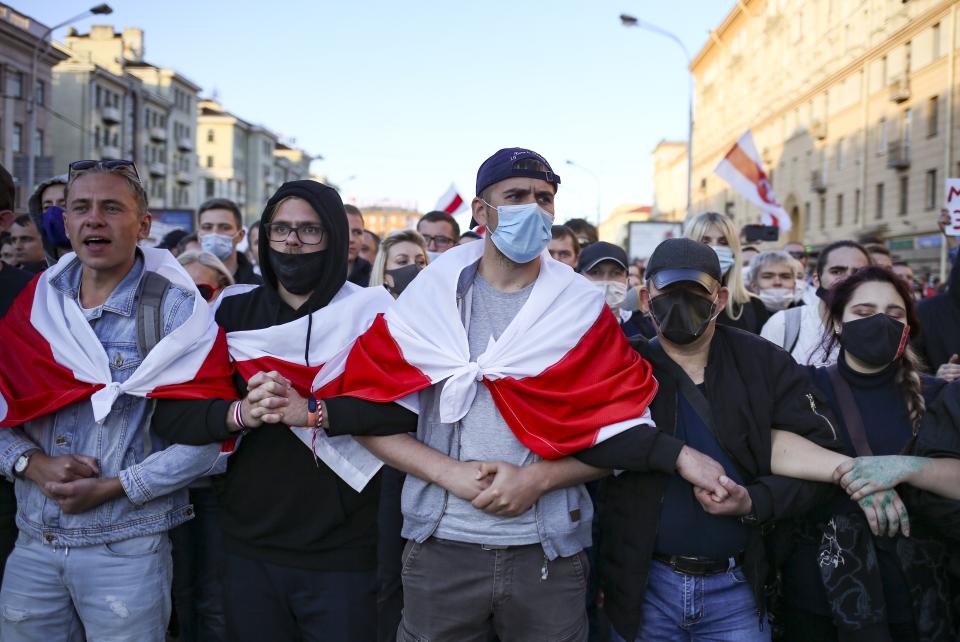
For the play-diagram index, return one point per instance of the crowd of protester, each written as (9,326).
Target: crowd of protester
(300,430)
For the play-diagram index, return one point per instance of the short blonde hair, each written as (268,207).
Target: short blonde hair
(380,263)
(209,260)
(739,296)
(772,257)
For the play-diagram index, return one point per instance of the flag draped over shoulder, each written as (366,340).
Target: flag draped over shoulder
(742,169)
(283,348)
(562,374)
(53,358)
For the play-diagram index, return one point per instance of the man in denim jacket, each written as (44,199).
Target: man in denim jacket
(95,499)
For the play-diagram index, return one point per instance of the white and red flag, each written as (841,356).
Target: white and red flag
(562,374)
(53,358)
(742,169)
(332,331)
(451,202)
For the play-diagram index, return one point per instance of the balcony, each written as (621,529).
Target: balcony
(185,144)
(158,134)
(818,129)
(184,178)
(110,115)
(158,169)
(898,154)
(110,152)
(899,89)
(818,182)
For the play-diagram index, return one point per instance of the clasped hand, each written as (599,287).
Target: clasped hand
(272,399)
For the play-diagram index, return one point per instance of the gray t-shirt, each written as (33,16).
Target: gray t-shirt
(484,435)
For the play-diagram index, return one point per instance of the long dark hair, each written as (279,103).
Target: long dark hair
(909,365)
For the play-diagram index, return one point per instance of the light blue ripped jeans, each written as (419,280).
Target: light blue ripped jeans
(118,591)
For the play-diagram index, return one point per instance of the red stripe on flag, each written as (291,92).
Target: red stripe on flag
(454,205)
(214,379)
(300,376)
(376,370)
(600,382)
(31,381)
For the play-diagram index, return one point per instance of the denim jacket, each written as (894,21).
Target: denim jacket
(154,474)
(564,516)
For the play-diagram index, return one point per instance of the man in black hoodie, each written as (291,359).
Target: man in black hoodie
(939,341)
(300,542)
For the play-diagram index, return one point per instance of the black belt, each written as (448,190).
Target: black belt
(691,565)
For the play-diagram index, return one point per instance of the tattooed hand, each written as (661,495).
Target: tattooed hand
(867,475)
(886,513)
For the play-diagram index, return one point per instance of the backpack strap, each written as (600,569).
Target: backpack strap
(850,412)
(153,290)
(791,328)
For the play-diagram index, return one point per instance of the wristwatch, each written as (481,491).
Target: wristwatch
(20,466)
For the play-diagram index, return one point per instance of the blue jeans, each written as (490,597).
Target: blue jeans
(118,591)
(690,607)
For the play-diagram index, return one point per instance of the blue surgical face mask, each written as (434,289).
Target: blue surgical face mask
(53,226)
(725,254)
(220,245)
(523,231)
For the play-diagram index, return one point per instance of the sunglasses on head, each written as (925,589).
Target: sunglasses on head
(207,291)
(109,165)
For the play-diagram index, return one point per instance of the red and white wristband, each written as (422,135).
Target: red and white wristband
(238,415)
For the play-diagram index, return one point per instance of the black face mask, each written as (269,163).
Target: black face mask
(402,277)
(297,273)
(681,315)
(876,340)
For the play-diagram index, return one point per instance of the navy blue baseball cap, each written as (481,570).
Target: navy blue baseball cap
(514,161)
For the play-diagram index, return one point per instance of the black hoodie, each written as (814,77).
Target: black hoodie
(278,503)
(940,322)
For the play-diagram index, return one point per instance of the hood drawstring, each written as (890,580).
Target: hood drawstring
(306,359)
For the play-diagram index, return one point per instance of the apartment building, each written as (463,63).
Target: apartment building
(852,105)
(20,37)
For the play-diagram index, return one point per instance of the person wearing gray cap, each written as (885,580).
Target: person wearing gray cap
(678,562)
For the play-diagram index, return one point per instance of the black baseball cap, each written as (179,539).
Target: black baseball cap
(683,259)
(596,253)
(514,161)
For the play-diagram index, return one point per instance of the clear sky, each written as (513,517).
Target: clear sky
(409,96)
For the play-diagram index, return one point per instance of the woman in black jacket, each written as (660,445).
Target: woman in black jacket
(743,309)
(840,581)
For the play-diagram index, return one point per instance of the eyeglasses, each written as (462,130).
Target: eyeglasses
(207,291)
(109,165)
(439,241)
(306,234)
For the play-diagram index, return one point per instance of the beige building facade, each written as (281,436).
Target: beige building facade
(852,105)
(242,161)
(117,105)
(20,36)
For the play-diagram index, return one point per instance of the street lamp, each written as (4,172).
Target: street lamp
(100,9)
(632,21)
(596,179)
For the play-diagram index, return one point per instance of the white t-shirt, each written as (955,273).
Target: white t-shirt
(807,350)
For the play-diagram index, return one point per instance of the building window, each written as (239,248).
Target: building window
(823,213)
(99,96)
(41,95)
(209,161)
(209,188)
(806,215)
(16,85)
(840,159)
(882,136)
(879,213)
(904,193)
(38,142)
(933,116)
(856,207)
(936,41)
(209,135)
(17,142)
(931,189)
(839,221)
